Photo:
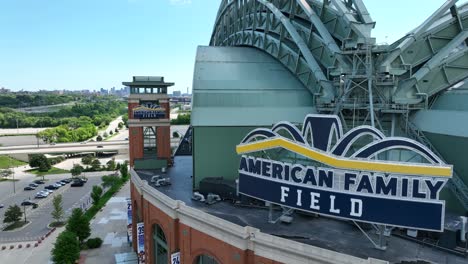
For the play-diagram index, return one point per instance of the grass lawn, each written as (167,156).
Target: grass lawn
(53,170)
(5,162)
(15,225)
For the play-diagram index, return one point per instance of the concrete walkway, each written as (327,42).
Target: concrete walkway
(35,253)
(110,224)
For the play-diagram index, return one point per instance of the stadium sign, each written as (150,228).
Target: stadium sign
(149,111)
(335,182)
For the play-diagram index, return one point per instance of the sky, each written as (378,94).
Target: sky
(93,44)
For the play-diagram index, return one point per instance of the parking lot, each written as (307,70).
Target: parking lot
(40,217)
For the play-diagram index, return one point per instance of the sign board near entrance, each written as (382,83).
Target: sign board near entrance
(333,180)
(141,242)
(175,258)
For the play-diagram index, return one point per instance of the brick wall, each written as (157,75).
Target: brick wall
(163,135)
(189,241)
(135,136)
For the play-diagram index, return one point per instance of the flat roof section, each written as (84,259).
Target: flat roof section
(336,235)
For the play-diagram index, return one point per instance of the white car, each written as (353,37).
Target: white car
(57,185)
(41,195)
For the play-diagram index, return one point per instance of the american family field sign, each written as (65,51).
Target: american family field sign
(344,182)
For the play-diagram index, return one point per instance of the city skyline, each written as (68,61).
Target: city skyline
(89,45)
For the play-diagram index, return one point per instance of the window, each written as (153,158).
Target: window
(205,259)
(160,245)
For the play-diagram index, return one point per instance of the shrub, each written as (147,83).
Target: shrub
(94,242)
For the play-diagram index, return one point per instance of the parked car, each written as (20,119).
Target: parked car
(51,187)
(59,183)
(77,183)
(41,194)
(63,182)
(49,191)
(39,182)
(67,180)
(28,202)
(29,188)
(34,185)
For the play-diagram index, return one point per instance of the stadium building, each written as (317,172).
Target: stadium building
(309,143)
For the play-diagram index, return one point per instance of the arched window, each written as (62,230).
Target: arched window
(205,259)
(160,245)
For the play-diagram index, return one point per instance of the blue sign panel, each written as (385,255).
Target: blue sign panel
(347,181)
(141,241)
(149,111)
(395,212)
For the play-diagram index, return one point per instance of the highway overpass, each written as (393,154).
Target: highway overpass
(102,146)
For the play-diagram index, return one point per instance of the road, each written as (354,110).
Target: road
(66,147)
(41,217)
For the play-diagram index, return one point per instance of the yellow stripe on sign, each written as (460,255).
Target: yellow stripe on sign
(344,163)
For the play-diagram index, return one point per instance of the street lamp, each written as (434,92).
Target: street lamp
(24,209)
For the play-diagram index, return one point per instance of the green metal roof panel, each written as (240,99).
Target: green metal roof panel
(453,100)
(241,86)
(444,122)
(247,116)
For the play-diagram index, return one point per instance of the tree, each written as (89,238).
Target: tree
(116,130)
(12,214)
(111,164)
(99,138)
(96,194)
(66,249)
(79,224)
(175,134)
(87,159)
(120,125)
(124,170)
(111,132)
(57,213)
(109,180)
(39,160)
(76,170)
(44,167)
(6,173)
(96,164)
(105,134)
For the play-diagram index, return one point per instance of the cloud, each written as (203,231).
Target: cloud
(180,2)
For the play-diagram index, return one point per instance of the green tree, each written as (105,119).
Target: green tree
(111,164)
(109,180)
(96,194)
(79,224)
(57,212)
(6,173)
(12,214)
(66,249)
(76,170)
(38,160)
(111,132)
(96,164)
(124,170)
(105,134)
(87,159)
(175,134)
(99,138)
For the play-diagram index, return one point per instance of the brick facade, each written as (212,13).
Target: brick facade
(189,241)
(135,137)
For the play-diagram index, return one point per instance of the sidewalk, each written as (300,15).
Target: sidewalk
(110,224)
(32,254)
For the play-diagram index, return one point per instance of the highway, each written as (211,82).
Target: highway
(100,146)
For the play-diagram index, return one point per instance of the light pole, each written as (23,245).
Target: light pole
(24,209)
(13,171)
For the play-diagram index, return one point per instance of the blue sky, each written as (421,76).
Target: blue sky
(89,44)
